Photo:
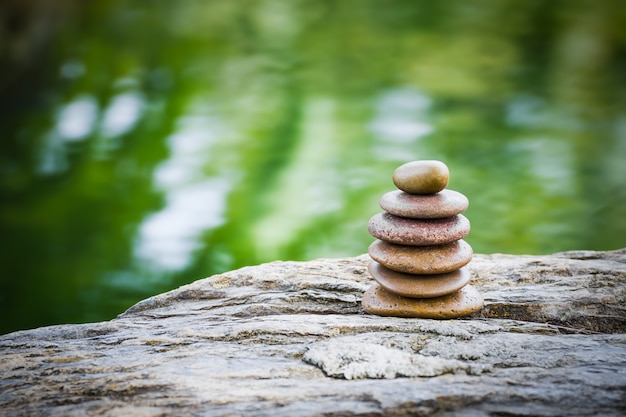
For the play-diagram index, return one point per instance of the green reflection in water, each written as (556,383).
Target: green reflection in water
(146,146)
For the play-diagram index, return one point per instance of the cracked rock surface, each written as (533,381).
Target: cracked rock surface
(291,339)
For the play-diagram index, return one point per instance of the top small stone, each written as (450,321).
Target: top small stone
(421,177)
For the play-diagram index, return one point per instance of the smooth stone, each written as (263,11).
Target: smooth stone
(419,286)
(445,203)
(421,177)
(418,232)
(437,259)
(377,300)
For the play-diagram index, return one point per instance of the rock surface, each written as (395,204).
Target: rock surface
(291,339)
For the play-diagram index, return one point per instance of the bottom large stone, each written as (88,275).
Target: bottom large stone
(377,300)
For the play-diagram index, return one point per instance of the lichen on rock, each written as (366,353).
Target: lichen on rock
(367,356)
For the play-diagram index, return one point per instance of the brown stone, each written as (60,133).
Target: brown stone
(422,259)
(414,232)
(445,203)
(421,177)
(419,286)
(381,302)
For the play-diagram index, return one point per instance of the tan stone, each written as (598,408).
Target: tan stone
(419,286)
(422,259)
(377,300)
(421,177)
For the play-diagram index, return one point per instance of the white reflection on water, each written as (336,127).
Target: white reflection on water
(74,122)
(309,187)
(550,160)
(400,119)
(76,119)
(167,239)
(527,111)
(72,68)
(122,114)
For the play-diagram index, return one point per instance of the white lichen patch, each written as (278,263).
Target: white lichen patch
(221,281)
(349,358)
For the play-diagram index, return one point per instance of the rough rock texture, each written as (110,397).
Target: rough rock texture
(291,339)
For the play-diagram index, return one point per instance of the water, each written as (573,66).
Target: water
(150,145)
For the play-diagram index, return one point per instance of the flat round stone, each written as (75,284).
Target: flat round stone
(377,300)
(445,203)
(419,286)
(422,259)
(421,177)
(414,232)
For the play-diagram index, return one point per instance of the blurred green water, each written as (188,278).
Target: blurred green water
(147,145)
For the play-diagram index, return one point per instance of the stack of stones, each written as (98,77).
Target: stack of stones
(419,256)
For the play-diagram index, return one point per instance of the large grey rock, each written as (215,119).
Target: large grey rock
(290,339)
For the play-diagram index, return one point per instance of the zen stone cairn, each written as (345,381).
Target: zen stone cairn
(419,256)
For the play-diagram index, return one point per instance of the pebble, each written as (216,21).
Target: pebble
(421,177)
(421,286)
(377,300)
(445,203)
(437,259)
(414,232)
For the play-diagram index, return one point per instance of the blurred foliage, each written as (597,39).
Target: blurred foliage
(147,145)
